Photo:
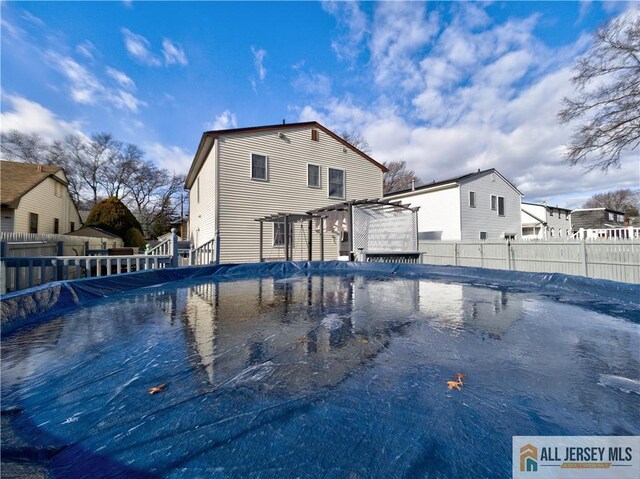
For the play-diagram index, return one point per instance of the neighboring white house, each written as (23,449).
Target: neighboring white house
(481,205)
(541,221)
(242,174)
(36,199)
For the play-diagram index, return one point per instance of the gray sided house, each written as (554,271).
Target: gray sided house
(542,221)
(596,218)
(477,206)
(242,174)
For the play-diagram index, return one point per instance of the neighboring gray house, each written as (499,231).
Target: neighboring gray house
(36,199)
(596,218)
(541,221)
(477,206)
(242,174)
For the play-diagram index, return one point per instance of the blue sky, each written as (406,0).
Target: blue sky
(449,87)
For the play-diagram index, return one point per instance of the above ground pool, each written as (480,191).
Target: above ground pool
(315,370)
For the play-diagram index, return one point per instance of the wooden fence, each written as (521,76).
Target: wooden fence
(613,260)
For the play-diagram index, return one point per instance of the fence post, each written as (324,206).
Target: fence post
(3,268)
(509,254)
(59,265)
(455,254)
(583,257)
(173,248)
(218,247)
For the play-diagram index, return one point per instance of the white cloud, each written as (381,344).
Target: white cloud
(28,116)
(29,17)
(87,50)
(123,80)
(352,26)
(258,61)
(313,84)
(86,88)
(139,48)
(173,53)
(223,121)
(475,95)
(172,158)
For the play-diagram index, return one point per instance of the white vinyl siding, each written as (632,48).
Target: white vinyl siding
(482,218)
(242,200)
(336,183)
(202,203)
(259,167)
(314,175)
(42,200)
(439,213)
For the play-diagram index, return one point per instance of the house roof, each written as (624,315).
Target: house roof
(546,206)
(208,138)
(454,181)
(20,178)
(596,209)
(93,232)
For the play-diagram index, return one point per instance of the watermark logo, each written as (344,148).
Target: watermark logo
(528,458)
(588,457)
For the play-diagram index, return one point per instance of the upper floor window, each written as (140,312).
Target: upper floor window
(494,202)
(336,183)
(550,211)
(472,199)
(58,190)
(313,176)
(33,223)
(56,225)
(72,227)
(500,205)
(259,167)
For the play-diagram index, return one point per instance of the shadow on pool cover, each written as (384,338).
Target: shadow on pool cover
(332,374)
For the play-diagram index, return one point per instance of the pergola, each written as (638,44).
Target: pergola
(377,229)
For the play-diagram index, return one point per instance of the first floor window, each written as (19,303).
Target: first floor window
(313,176)
(56,226)
(33,223)
(336,183)
(278,234)
(500,205)
(494,202)
(258,167)
(483,235)
(472,199)
(72,227)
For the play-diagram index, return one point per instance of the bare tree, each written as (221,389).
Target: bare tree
(607,100)
(23,147)
(153,194)
(399,177)
(126,158)
(626,200)
(357,140)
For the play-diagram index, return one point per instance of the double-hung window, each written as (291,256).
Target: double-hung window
(313,176)
(494,202)
(336,183)
(500,205)
(259,167)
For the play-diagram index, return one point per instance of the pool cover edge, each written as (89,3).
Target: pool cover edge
(33,305)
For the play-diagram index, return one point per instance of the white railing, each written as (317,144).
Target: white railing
(626,233)
(613,260)
(25,272)
(207,253)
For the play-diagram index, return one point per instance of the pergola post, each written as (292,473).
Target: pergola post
(321,238)
(310,244)
(286,238)
(261,241)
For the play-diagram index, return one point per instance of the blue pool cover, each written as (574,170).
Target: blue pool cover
(311,370)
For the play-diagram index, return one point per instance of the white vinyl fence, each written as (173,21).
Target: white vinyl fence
(613,260)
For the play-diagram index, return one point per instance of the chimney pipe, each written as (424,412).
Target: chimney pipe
(413,185)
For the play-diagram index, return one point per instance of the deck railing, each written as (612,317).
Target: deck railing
(207,253)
